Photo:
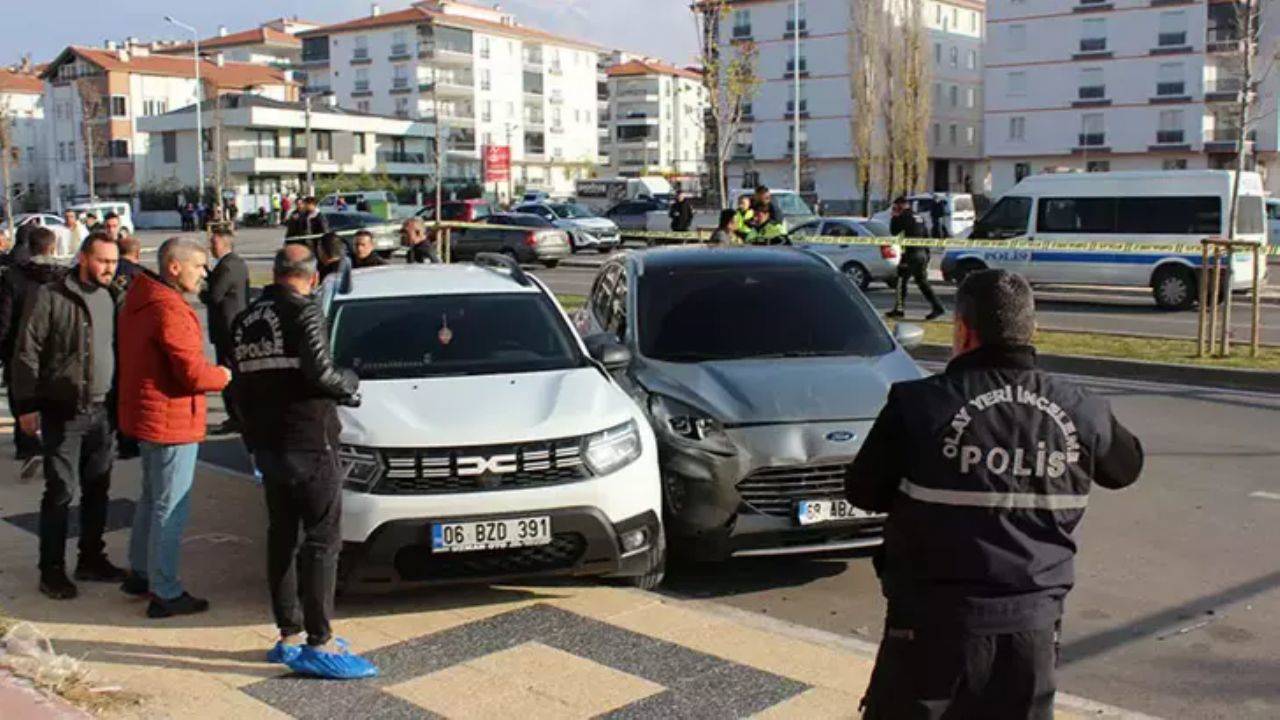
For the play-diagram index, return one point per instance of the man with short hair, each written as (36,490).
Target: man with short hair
(985,471)
(681,212)
(163,380)
(364,255)
(915,261)
(74,233)
(330,251)
(763,195)
(307,223)
(63,370)
(289,389)
(225,295)
(413,235)
(111,225)
(130,260)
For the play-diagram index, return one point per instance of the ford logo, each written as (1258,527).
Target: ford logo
(840,436)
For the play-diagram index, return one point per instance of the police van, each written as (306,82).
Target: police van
(1173,209)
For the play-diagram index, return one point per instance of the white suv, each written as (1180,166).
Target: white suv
(489,444)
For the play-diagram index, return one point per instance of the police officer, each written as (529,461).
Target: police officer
(985,472)
(288,389)
(915,261)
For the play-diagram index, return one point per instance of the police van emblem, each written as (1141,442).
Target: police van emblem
(840,436)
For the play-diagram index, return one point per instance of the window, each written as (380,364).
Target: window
(1097,166)
(1092,130)
(1171,125)
(1178,164)
(1092,86)
(362,80)
(399,43)
(1017,38)
(484,47)
(1077,215)
(954,93)
(1187,215)
(970,136)
(1017,129)
(937,133)
(152,106)
(1008,217)
(970,97)
(1020,171)
(119,106)
(952,133)
(804,102)
(402,107)
(1173,29)
(1017,83)
(486,111)
(742,23)
(362,144)
(972,60)
(400,76)
(937,53)
(1170,79)
(800,11)
(486,80)
(169,145)
(955,56)
(118,149)
(362,106)
(792,66)
(1093,35)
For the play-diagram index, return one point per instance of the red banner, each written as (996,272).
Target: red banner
(497,163)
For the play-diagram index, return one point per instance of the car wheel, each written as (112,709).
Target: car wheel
(603,249)
(550,264)
(652,578)
(857,274)
(963,269)
(1174,288)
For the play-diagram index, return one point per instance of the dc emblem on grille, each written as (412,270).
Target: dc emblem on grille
(496,465)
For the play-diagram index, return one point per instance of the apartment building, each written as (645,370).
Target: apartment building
(1098,85)
(264,148)
(497,83)
(126,84)
(22,105)
(272,43)
(763,152)
(656,120)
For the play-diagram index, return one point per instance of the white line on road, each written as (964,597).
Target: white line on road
(1264,495)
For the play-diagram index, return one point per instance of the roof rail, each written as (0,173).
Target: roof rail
(498,261)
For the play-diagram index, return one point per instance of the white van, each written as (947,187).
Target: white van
(1174,208)
(957,211)
(601,194)
(101,209)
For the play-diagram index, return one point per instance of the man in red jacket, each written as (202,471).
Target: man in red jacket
(163,380)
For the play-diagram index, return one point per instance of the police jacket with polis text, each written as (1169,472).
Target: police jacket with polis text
(985,471)
(286,383)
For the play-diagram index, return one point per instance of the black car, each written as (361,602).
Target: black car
(527,238)
(761,371)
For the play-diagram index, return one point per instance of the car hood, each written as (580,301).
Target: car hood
(484,409)
(771,390)
(595,223)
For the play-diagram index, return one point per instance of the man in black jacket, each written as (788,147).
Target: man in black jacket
(985,471)
(226,294)
(681,213)
(915,261)
(130,261)
(63,372)
(413,235)
(330,251)
(16,288)
(306,222)
(288,391)
(364,255)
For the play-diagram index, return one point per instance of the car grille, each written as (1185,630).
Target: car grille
(775,491)
(418,563)
(437,471)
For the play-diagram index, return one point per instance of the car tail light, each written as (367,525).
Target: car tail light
(531,238)
(888,252)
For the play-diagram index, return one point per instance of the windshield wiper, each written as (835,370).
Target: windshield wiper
(803,354)
(691,357)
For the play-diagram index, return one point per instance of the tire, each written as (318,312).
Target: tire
(550,264)
(651,579)
(963,269)
(603,250)
(857,274)
(1174,288)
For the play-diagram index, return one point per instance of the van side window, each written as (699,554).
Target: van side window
(1188,215)
(1077,215)
(1007,218)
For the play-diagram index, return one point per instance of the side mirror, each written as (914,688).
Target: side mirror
(908,335)
(607,351)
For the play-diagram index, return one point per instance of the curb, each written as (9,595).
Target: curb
(1219,378)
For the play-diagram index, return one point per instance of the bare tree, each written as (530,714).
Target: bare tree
(92,113)
(916,100)
(7,152)
(865,90)
(729,73)
(1248,23)
(891,102)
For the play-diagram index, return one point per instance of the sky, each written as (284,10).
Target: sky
(663,28)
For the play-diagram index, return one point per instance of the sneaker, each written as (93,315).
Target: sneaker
(31,468)
(895,314)
(55,584)
(184,604)
(135,585)
(937,313)
(283,653)
(340,665)
(98,569)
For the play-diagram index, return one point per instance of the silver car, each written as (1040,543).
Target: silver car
(585,228)
(863,264)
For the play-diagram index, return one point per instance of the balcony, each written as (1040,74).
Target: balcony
(254,152)
(317,90)
(556,98)
(1091,96)
(743,151)
(1223,40)
(1226,89)
(791,69)
(400,156)
(1085,6)
(1223,140)
(1171,137)
(360,56)
(400,85)
(1091,141)
(361,89)
(534,119)
(532,61)
(555,68)
(637,118)
(1170,43)
(450,85)
(444,54)
(741,32)
(400,51)
(790,31)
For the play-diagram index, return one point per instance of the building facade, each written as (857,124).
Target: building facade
(22,108)
(1097,85)
(496,83)
(764,150)
(655,120)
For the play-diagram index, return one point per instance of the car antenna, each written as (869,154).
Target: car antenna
(497,261)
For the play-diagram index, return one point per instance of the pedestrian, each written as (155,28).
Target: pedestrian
(226,294)
(364,255)
(163,380)
(21,251)
(307,224)
(330,252)
(187,214)
(17,287)
(290,390)
(984,471)
(279,209)
(763,195)
(63,368)
(233,212)
(413,235)
(915,261)
(765,229)
(681,213)
(742,218)
(723,234)
(111,226)
(130,265)
(75,233)
(938,217)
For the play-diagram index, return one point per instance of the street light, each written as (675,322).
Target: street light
(195,58)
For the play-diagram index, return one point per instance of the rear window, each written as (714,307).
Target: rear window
(964,203)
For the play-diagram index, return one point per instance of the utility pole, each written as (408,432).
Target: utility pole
(88,155)
(435,111)
(511,171)
(6,149)
(306,114)
(195,59)
(795,86)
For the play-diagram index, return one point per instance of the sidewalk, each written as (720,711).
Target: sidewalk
(572,649)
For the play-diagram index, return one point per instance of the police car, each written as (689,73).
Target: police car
(490,444)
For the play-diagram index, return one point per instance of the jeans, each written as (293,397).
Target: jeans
(77,451)
(920,273)
(155,545)
(302,488)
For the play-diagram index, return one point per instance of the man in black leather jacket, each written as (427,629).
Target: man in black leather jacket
(985,471)
(288,391)
(915,261)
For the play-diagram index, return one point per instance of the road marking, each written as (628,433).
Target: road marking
(1264,495)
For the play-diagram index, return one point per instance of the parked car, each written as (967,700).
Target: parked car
(761,370)
(379,202)
(490,445)
(100,209)
(585,228)
(1273,221)
(863,264)
(640,214)
(386,236)
(473,210)
(958,213)
(527,238)
(795,210)
(42,219)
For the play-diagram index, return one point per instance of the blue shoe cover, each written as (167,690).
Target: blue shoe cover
(283,653)
(331,665)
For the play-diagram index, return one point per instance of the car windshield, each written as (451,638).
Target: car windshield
(730,313)
(520,220)
(792,204)
(450,335)
(571,211)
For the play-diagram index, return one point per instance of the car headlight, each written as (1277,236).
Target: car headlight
(611,450)
(358,468)
(686,424)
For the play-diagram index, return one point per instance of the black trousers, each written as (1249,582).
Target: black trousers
(304,493)
(78,451)
(222,353)
(25,446)
(945,674)
(920,273)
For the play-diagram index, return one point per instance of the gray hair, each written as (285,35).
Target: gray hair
(300,263)
(998,306)
(180,249)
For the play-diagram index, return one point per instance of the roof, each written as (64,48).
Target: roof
(255,36)
(418,14)
(726,258)
(644,67)
(20,82)
(389,281)
(231,74)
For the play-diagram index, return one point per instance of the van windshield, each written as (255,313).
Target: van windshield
(964,203)
(792,204)
(1007,218)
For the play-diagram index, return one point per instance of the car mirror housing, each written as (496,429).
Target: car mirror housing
(607,351)
(908,335)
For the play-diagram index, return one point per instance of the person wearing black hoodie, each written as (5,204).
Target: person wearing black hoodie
(681,213)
